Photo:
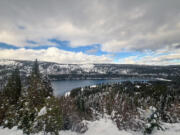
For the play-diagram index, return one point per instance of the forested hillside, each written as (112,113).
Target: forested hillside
(57,71)
(141,107)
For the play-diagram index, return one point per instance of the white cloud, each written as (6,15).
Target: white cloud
(52,54)
(128,60)
(115,46)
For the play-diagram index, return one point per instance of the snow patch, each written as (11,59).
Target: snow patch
(87,67)
(103,126)
(67,94)
(43,111)
(162,79)
(13,131)
(82,89)
(137,86)
(93,86)
(147,113)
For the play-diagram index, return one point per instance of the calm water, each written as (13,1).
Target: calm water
(61,87)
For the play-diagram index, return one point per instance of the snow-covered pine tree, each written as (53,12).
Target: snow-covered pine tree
(49,118)
(10,96)
(35,69)
(39,86)
(152,120)
(23,112)
(2,109)
(12,90)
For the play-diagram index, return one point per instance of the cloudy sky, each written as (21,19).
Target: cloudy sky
(91,31)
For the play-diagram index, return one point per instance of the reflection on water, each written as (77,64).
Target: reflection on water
(63,86)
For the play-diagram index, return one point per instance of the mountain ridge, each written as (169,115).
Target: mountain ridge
(57,71)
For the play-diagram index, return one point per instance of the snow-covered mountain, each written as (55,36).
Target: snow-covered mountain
(89,71)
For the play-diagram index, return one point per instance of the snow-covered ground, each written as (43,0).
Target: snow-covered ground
(103,127)
(13,131)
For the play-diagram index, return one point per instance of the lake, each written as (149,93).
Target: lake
(63,86)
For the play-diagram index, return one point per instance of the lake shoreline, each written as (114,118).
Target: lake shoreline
(62,86)
(106,78)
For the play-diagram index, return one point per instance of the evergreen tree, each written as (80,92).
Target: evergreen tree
(10,96)
(12,90)
(49,117)
(2,109)
(39,89)
(39,86)
(33,98)
(35,69)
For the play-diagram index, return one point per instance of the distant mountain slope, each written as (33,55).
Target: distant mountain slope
(58,71)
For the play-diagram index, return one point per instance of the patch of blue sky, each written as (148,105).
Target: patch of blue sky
(31,42)
(136,55)
(93,49)
(99,53)
(37,47)
(21,27)
(65,45)
(175,61)
(7,46)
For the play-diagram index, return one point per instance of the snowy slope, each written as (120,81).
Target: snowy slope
(56,70)
(103,127)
